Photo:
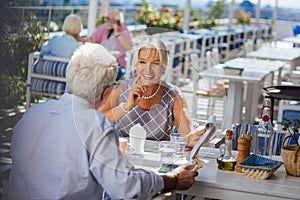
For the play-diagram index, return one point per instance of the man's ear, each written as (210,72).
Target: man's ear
(105,93)
(100,100)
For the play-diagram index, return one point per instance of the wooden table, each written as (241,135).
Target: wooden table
(214,183)
(234,103)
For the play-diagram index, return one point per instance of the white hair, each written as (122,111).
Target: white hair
(72,24)
(154,43)
(91,69)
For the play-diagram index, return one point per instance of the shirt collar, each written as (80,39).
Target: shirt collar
(76,99)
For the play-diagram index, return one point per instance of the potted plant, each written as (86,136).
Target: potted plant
(292,128)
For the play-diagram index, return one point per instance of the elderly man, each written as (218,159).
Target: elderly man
(114,35)
(66,149)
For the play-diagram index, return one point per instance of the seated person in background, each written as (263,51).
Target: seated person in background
(114,36)
(65,44)
(73,151)
(145,99)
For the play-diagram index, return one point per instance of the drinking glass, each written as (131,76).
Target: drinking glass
(179,141)
(167,151)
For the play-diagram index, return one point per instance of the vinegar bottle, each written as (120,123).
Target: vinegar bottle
(264,134)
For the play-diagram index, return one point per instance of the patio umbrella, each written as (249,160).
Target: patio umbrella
(257,14)
(231,12)
(186,18)
(92,15)
(275,12)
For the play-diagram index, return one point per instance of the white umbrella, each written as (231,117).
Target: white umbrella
(92,16)
(231,12)
(104,8)
(275,12)
(186,18)
(257,14)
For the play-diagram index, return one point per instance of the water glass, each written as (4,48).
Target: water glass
(167,151)
(179,141)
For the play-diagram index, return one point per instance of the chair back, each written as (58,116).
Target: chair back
(296,29)
(239,129)
(278,137)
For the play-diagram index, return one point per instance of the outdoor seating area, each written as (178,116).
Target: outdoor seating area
(223,95)
(196,64)
(199,51)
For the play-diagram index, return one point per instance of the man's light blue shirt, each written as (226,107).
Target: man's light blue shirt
(65,149)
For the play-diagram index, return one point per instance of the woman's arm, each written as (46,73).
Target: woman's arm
(111,108)
(181,113)
(183,120)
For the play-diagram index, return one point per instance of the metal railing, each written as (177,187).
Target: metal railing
(47,14)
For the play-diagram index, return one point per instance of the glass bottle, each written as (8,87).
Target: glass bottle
(226,161)
(264,134)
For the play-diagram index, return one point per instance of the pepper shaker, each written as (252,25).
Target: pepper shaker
(242,151)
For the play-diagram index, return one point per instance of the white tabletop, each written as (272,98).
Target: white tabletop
(253,64)
(248,75)
(292,39)
(214,183)
(273,53)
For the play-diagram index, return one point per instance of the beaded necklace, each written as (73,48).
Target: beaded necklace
(152,95)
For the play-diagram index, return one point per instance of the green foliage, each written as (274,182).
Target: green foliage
(287,126)
(20,35)
(12,90)
(243,17)
(165,18)
(101,20)
(25,37)
(216,12)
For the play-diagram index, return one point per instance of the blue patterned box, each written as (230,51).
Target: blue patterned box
(259,167)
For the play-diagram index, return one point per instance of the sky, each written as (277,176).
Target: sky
(281,3)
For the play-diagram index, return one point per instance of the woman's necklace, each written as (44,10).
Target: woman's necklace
(152,95)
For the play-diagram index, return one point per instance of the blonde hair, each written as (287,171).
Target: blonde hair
(91,69)
(72,24)
(156,44)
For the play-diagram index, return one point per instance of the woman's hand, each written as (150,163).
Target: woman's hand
(194,136)
(134,95)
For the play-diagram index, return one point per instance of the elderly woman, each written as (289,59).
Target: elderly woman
(145,99)
(65,44)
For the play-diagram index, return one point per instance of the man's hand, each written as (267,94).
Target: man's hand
(185,176)
(181,178)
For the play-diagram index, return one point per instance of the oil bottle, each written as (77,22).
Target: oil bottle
(226,161)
